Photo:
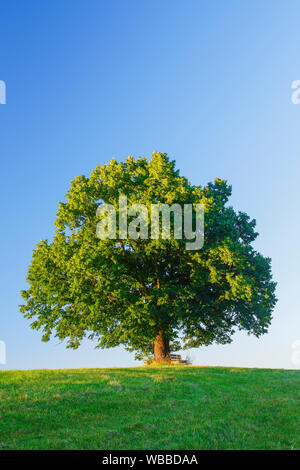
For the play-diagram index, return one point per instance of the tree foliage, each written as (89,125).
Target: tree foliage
(126,291)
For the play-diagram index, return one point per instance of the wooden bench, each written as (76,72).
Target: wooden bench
(176,359)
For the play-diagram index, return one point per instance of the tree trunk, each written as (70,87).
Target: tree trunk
(161,348)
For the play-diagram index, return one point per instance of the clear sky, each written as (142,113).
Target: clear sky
(208,82)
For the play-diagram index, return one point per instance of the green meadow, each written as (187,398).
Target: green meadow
(170,407)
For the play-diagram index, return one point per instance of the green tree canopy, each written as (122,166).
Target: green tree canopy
(152,296)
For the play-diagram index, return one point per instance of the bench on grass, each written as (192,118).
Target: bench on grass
(176,359)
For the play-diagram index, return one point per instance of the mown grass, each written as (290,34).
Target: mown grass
(176,407)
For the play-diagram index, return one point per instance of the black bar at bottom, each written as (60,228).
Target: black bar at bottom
(135,458)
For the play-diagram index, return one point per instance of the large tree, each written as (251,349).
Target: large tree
(151,295)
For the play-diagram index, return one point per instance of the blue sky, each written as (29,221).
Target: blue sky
(208,82)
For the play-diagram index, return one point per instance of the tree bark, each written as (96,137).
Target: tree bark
(161,348)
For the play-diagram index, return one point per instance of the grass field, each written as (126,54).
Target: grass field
(176,407)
